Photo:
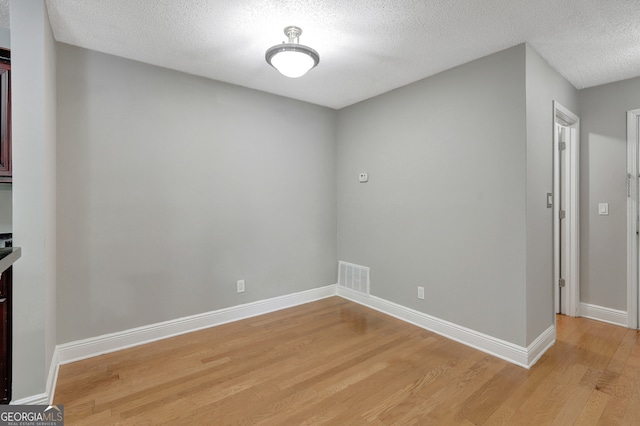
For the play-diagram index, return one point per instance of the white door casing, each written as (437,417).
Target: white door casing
(570,249)
(563,136)
(633,142)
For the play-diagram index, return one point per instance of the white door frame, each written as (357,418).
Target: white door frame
(565,117)
(633,130)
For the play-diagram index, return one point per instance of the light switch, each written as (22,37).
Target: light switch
(363,177)
(603,209)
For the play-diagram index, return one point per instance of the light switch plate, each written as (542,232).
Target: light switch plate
(363,177)
(603,209)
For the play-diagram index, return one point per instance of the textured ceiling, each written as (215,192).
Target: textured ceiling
(366,47)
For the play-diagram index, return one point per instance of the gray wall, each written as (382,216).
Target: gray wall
(34,178)
(5,189)
(6,203)
(5,38)
(603,163)
(445,205)
(171,187)
(543,86)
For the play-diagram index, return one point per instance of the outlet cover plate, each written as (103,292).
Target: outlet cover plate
(603,209)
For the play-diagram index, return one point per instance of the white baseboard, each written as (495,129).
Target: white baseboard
(600,313)
(542,344)
(52,379)
(519,355)
(40,399)
(94,346)
(87,348)
(47,397)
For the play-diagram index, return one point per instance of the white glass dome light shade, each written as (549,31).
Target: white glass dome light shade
(292,60)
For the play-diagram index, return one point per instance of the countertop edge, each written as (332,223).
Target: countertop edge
(10,259)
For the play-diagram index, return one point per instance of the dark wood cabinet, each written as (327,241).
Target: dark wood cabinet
(5,122)
(5,336)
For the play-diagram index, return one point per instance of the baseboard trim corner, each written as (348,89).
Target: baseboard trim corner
(540,345)
(52,379)
(47,397)
(600,313)
(515,354)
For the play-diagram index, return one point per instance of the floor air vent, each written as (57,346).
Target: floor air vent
(354,277)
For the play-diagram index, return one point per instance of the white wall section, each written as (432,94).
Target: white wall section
(33,65)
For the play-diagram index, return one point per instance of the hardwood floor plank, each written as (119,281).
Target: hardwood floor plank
(483,402)
(338,363)
(530,381)
(632,415)
(545,404)
(593,408)
(622,388)
(452,397)
(574,406)
(426,394)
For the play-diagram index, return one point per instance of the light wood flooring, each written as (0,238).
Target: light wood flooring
(338,363)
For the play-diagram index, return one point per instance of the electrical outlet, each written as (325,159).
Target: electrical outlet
(240,284)
(421,293)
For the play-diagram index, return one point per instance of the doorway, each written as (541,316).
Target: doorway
(633,142)
(565,211)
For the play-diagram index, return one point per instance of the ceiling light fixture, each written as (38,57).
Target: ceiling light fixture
(292,59)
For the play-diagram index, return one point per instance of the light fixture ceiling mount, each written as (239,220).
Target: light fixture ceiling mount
(292,59)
